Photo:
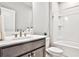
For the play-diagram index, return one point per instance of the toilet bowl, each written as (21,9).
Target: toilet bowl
(53,51)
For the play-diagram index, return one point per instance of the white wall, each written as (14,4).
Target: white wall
(41,17)
(23,13)
(55,21)
(51,24)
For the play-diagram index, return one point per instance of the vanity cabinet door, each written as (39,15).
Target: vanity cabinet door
(37,44)
(38,53)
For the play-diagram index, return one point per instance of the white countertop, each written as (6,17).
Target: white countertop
(11,41)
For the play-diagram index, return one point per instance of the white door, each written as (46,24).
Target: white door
(9,20)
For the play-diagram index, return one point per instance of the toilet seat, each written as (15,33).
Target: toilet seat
(54,50)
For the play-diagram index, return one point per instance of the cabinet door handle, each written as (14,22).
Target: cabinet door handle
(33,54)
(29,55)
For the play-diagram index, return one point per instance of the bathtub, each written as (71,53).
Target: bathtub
(71,49)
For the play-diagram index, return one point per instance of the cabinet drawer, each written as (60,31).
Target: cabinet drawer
(37,44)
(16,50)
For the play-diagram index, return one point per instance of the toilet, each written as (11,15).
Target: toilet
(52,51)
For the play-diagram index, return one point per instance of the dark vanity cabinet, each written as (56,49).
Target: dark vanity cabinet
(37,53)
(35,48)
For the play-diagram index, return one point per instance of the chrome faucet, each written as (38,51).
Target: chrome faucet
(20,32)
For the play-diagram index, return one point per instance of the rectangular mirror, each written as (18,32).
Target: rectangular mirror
(17,15)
